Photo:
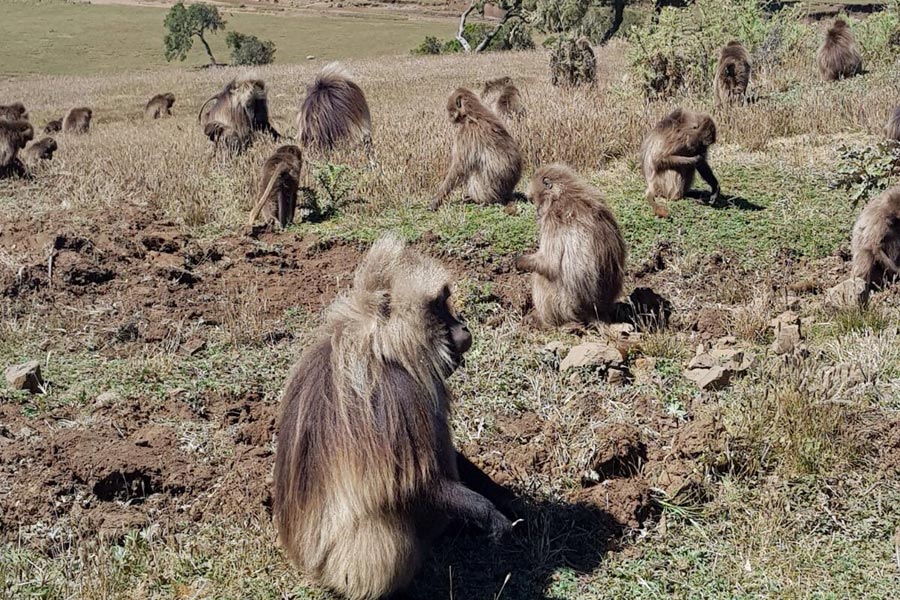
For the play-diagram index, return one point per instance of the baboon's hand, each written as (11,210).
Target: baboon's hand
(523,263)
(714,197)
(500,526)
(436,203)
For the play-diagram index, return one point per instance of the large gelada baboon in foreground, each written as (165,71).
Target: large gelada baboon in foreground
(875,241)
(334,112)
(231,118)
(366,475)
(14,135)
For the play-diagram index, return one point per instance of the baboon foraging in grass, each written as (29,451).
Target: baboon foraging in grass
(159,106)
(236,113)
(892,130)
(78,120)
(732,74)
(483,156)
(366,475)
(578,270)
(503,97)
(672,152)
(839,55)
(54,126)
(876,241)
(13,137)
(13,112)
(278,184)
(40,150)
(334,112)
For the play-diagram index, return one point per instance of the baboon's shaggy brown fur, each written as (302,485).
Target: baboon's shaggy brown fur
(13,137)
(366,473)
(334,111)
(484,156)
(503,97)
(278,184)
(13,112)
(876,241)
(54,126)
(839,56)
(40,150)
(159,106)
(239,111)
(732,74)
(671,154)
(579,267)
(78,120)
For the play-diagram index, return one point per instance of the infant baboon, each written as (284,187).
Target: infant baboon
(839,55)
(579,267)
(78,120)
(54,126)
(503,97)
(159,106)
(732,74)
(366,475)
(483,155)
(278,184)
(876,241)
(237,112)
(892,130)
(13,112)
(13,137)
(334,111)
(672,152)
(40,150)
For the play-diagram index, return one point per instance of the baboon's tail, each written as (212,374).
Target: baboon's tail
(273,180)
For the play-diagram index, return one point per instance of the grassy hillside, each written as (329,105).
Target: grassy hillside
(165,329)
(55,38)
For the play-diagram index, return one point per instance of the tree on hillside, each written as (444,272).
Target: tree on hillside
(185,22)
(249,49)
(599,20)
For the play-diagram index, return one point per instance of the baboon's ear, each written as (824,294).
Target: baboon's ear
(459,101)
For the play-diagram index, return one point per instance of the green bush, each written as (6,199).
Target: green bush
(430,45)
(249,49)
(514,35)
(878,36)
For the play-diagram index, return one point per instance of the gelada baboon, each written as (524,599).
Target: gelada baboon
(579,267)
(876,241)
(732,74)
(366,475)
(483,156)
(159,106)
(334,112)
(892,130)
(78,120)
(231,117)
(672,152)
(40,150)
(13,112)
(54,126)
(503,97)
(13,137)
(278,184)
(839,55)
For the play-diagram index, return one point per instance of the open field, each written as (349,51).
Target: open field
(56,38)
(165,330)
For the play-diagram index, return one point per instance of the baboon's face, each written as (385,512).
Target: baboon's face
(458,105)
(546,187)
(458,338)
(170,100)
(701,131)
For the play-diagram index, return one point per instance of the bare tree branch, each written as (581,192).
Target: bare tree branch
(462,26)
(490,36)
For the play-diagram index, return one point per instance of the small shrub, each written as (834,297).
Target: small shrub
(249,49)
(430,45)
(868,170)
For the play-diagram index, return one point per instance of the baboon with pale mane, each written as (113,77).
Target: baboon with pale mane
(578,270)
(334,112)
(13,112)
(673,152)
(78,120)
(839,56)
(876,241)
(483,156)
(13,137)
(159,106)
(503,97)
(278,184)
(40,150)
(232,117)
(732,74)
(892,130)
(366,475)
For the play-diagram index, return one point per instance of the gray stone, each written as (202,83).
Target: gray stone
(26,376)
(591,354)
(715,378)
(846,294)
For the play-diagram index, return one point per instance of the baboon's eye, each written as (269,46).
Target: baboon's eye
(547,183)
(459,102)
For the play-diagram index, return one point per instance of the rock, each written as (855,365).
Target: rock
(615,376)
(591,354)
(310,57)
(555,347)
(193,346)
(846,294)
(787,333)
(26,376)
(715,378)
